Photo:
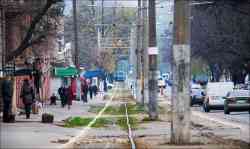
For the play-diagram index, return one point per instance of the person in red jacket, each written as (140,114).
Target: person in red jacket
(71,92)
(84,89)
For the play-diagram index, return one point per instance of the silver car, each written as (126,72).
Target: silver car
(215,93)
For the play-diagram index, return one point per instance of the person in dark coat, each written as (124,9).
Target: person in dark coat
(90,88)
(63,98)
(84,88)
(28,96)
(95,89)
(53,99)
(7,93)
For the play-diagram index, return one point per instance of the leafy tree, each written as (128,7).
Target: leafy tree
(220,36)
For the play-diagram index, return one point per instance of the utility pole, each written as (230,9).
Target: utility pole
(180,124)
(102,13)
(138,53)
(145,91)
(75,34)
(152,51)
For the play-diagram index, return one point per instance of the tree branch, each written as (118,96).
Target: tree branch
(26,42)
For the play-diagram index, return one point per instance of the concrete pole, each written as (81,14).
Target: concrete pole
(181,74)
(102,19)
(138,54)
(152,51)
(145,90)
(75,34)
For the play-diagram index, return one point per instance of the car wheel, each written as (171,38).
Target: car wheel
(206,107)
(226,109)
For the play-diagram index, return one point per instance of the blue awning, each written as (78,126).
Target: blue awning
(94,73)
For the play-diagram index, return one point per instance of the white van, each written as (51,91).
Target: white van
(215,93)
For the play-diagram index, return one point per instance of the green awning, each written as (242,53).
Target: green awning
(65,72)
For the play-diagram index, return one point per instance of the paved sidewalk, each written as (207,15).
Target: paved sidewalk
(32,133)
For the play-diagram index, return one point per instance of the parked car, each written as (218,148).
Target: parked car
(161,83)
(215,93)
(197,94)
(169,82)
(237,100)
(110,85)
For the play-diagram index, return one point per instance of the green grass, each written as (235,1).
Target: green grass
(120,110)
(109,110)
(112,110)
(102,122)
(80,122)
(122,122)
(136,109)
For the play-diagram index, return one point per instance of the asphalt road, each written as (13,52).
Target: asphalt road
(239,117)
(234,117)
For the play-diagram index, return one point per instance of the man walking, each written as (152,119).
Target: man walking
(61,92)
(7,93)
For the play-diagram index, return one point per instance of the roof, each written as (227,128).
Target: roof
(65,71)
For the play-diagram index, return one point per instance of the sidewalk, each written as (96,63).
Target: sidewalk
(31,133)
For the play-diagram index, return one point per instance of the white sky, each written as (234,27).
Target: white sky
(107,3)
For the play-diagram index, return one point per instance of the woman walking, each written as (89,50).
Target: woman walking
(28,96)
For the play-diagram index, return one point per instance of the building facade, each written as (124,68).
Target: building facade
(35,62)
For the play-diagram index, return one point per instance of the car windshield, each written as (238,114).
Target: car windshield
(219,88)
(239,93)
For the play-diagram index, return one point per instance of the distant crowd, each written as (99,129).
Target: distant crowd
(66,94)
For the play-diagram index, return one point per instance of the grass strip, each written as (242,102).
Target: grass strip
(81,121)
(122,122)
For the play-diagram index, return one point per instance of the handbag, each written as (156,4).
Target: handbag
(35,109)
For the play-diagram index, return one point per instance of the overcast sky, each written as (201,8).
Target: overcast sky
(107,3)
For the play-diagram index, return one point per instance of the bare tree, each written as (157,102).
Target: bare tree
(38,29)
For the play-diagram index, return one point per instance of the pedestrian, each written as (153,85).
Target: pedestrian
(95,89)
(90,88)
(84,89)
(61,92)
(28,96)
(7,93)
(101,88)
(71,94)
(105,86)
(53,99)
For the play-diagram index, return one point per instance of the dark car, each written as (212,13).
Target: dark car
(237,100)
